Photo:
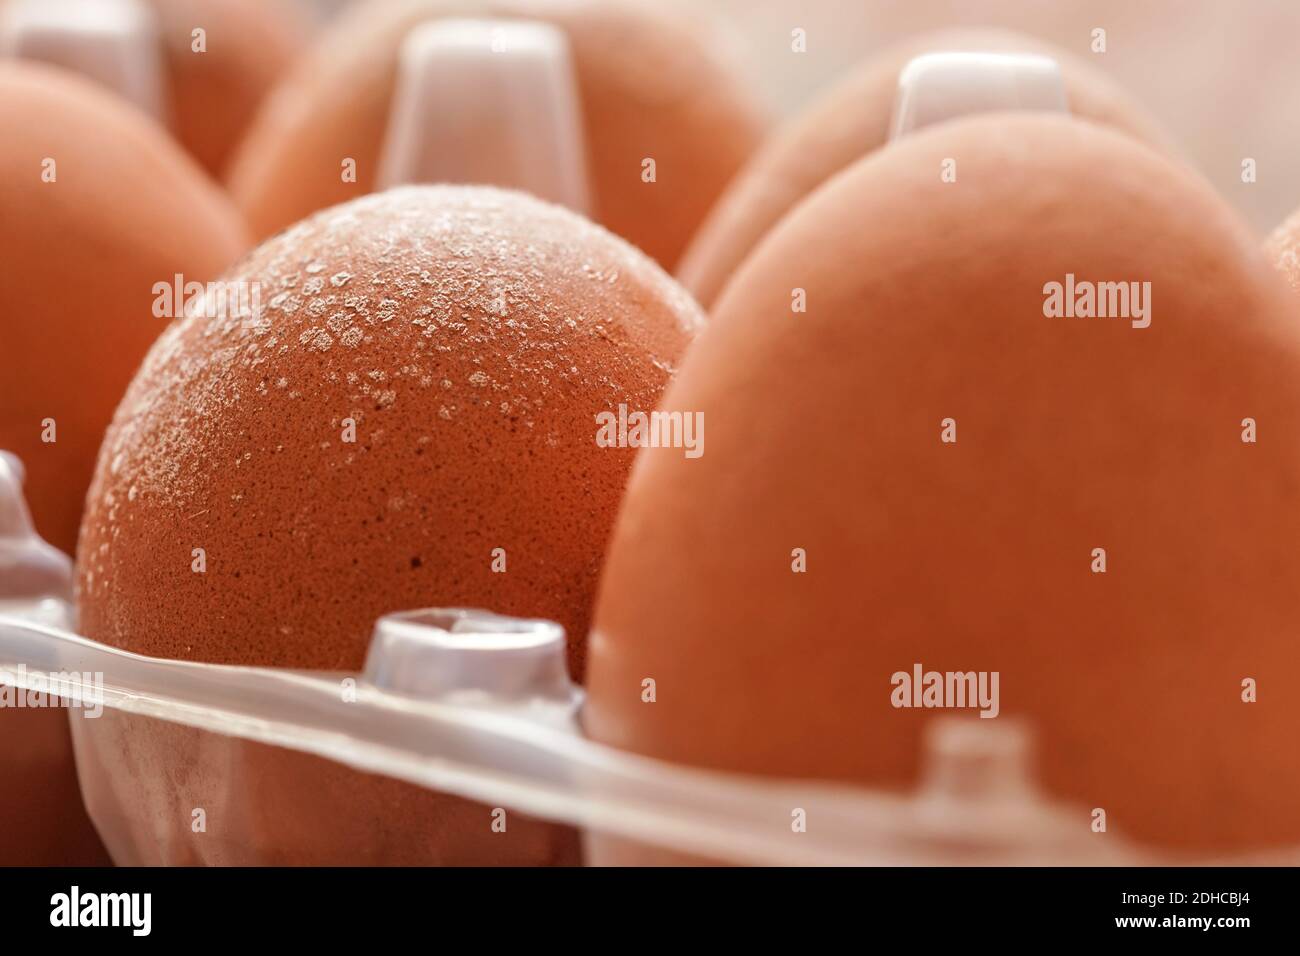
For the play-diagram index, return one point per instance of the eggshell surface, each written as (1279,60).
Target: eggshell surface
(847,122)
(417,390)
(214,93)
(408,421)
(650,84)
(925,302)
(99,206)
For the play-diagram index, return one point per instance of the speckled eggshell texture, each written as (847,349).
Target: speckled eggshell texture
(77,266)
(926,302)
(469,336)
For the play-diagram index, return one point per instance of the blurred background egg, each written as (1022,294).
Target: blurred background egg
(850,120)
(407,421)
(77,270)
(652,86)
(99,207)
(199,66)
(831,537)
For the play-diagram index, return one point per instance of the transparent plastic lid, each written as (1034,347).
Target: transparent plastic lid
(31,571)
(493,102)
(114,42)
(480,706)
(515,742)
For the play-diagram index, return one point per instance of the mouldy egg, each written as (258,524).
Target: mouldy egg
(199,66)
(650,82)
(409,420)
(932,467)
(851,120)
(99,206)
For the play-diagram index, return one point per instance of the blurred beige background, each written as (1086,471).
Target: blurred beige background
(1222,75)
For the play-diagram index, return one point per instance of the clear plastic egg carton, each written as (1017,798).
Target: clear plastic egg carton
(470,718)
(464,726)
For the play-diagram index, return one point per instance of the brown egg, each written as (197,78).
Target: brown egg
(123,209)
(650,86)
(927,319)
(410,422)
(200,66)
(214,95)
(98,206)
(40,804)
(851,120)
